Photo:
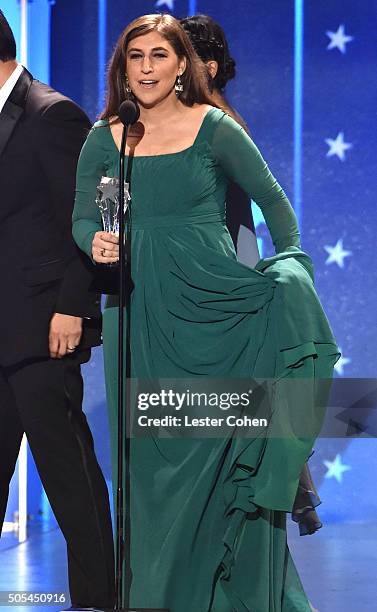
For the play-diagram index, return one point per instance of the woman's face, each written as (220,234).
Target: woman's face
(152,67)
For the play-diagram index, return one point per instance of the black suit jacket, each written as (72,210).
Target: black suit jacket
(41,269)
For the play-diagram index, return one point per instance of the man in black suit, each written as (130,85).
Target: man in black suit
(48,320)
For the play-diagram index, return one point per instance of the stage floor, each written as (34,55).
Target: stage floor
(337,566)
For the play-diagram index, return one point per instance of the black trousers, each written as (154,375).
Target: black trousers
(43,398)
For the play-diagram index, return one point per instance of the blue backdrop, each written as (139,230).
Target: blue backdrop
(304,85)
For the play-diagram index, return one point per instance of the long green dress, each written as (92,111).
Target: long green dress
(208,515)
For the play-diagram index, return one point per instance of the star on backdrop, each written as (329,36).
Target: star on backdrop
(338,39)
(338,146)
(336,468)
(337,253)
(168,3)
(342,361)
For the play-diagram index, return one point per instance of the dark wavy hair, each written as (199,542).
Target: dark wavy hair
(7,43)
(209,42)
(194,79)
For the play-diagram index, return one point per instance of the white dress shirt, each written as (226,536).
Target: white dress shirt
(9,84)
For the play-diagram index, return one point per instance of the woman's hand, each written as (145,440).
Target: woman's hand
(105,248)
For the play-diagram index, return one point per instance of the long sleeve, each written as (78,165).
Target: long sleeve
(59,135)
(86,215)
(242,162)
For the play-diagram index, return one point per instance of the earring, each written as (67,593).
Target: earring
(178,86)
(128,88)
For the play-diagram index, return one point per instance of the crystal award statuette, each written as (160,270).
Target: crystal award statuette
(107,200)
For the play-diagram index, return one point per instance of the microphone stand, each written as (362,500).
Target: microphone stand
(123,551)
(123,521)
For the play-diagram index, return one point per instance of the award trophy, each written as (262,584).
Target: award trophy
(107,200)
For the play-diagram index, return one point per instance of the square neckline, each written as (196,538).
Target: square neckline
(115,146)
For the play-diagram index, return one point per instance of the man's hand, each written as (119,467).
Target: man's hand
(65,334)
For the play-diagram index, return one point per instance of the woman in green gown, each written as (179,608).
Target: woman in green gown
(207,515)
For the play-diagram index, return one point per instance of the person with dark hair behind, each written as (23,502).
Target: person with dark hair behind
(209,41)
(49,320)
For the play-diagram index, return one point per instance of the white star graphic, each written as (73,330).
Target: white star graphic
(336,468)
(337,253)
(342,361)
(168,3)
(338,146)
(338,39)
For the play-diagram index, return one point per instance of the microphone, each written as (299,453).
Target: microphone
(129,112)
